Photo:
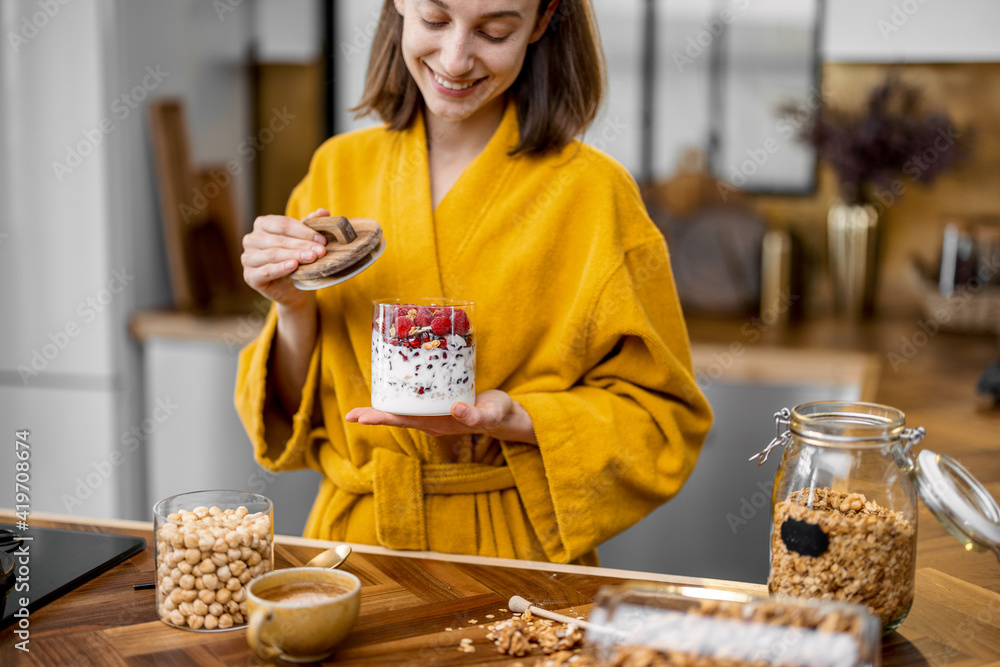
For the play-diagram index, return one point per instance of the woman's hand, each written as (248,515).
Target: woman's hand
(495,413)
(274,249)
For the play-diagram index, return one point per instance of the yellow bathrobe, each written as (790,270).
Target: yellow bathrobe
(578,320)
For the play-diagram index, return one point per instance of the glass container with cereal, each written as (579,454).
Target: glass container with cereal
(844,506)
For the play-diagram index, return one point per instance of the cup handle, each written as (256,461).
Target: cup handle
(263,650)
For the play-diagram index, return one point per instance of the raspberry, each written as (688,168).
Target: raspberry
(442,312)
(424,317)
(441,326)
(462,323)
(403,326)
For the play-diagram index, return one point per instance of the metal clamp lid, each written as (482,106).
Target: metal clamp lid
(781,438)
(959,501)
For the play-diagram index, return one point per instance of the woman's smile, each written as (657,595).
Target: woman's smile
(453,88)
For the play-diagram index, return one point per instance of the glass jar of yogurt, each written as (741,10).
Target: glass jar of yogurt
(423,355)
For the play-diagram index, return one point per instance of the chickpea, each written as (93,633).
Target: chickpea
(199,607)
(236,568)
(239,595)
(167,583)
(185,567)
(211,622)
(207,596)
(176,595)
(176,617)
(220,559)
(210,581)
(233,584)
(225,621)
(223,573)
(188,595)
(245,553)
(254,559)
(216,609)
(237,617)
(184,608)
(207,566)
(223,595)
(187,581)
(245,576)
(195,622)
(192,556)
(232,607)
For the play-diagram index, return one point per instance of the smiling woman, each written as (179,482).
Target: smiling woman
(557,93)
(587,415)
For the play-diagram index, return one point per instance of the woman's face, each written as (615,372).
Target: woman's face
(464,54)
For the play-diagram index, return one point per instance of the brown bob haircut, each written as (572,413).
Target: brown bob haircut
(557,93)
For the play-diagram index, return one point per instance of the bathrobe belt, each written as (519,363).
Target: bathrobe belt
(399,483)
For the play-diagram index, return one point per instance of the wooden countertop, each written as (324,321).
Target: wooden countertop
(409,600)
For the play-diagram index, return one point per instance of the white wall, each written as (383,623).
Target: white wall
(912,31)
(71,229)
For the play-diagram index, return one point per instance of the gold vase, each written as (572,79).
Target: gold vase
(852,231)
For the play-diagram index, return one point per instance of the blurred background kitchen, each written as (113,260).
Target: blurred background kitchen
(139,139)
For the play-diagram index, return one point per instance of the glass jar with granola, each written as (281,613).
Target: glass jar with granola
(844,506)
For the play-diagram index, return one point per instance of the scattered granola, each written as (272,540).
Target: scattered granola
(465,645)
(860,551)
(518,636)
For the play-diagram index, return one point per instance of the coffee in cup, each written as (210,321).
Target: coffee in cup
(300,614)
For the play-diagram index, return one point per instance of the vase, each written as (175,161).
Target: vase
(852,239)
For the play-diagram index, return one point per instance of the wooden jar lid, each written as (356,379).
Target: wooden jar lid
(352,246)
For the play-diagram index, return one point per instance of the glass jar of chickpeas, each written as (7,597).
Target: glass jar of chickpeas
(209,545)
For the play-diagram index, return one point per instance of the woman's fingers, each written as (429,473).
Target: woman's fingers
(283,226)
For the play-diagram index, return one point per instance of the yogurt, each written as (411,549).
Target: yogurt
(423,358)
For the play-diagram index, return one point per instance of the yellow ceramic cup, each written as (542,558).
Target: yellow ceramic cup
(301,631)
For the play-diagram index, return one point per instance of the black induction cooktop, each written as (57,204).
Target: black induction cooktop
(57,561)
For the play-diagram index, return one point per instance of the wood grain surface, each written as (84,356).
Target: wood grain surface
(409,602)
(342,255)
